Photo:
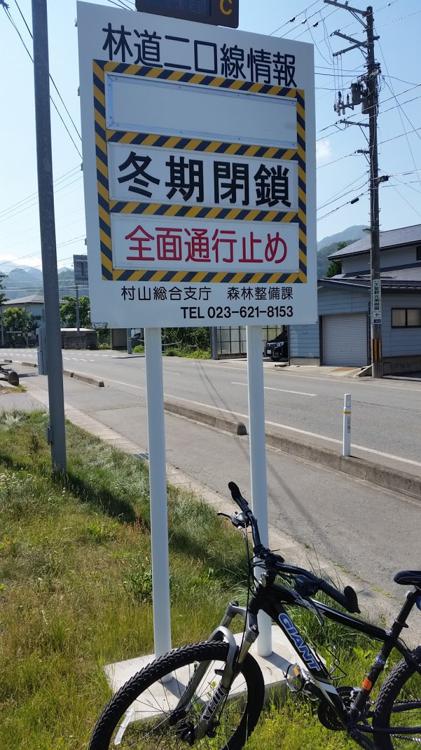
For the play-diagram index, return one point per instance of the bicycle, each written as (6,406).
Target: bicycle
(210,694)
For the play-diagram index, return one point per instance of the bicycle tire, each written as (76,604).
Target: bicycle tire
(398,703)
(107,726)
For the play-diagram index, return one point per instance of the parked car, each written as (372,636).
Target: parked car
(277,348)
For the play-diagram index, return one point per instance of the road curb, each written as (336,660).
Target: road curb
(92,380)
(359,468)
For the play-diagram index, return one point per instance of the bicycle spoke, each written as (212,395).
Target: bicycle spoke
(151,728)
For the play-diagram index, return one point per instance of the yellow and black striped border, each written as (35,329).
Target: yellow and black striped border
(106,206)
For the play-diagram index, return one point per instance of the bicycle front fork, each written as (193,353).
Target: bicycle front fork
(251,631)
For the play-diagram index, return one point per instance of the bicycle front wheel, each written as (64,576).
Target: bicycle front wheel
(161,706)
(399,707)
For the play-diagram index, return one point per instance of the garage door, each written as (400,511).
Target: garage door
(344,339)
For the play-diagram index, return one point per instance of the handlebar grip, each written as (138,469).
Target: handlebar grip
(237,496)
(348,599)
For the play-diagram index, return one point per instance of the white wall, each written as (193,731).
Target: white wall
(400,341)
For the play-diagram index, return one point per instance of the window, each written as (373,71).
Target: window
(413,318)
(418,251)
(403,317)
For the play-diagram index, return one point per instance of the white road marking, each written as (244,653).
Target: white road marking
(387,455)
(277,424)
(282,390)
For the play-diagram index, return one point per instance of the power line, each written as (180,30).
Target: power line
(401,112)
(378,10)
(409,183)
(51,77)
(32,196)
(291,20)
(6,10)
(401,135)
(348,203)
(402,197)
(305,31)
(315,43)
(381,143)
(120,4)
(402,80)
(26,207)
(343,194)
(334,161)
(384,101)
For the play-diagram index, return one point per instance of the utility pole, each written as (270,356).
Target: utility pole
(56,427)
(365,91)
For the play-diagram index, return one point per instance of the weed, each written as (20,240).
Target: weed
(138,581)
(76,585)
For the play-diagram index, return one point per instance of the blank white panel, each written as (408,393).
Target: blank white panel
(138,104)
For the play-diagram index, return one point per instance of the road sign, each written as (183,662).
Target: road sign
(216,12)
(80,268)
(199,168)
(376,301)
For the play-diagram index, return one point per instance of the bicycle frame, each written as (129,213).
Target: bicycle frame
(271,599)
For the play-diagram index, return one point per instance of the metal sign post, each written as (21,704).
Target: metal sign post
(199,170)
(256,395)
(158,491)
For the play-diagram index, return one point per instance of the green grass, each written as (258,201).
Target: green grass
(188,352)
(178,351)
(75,580)
(75,590)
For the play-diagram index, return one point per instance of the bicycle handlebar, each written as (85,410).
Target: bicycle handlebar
(348,599)
(309,584)
(237,497)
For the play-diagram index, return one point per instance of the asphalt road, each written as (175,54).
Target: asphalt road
(386,415)
(324,517)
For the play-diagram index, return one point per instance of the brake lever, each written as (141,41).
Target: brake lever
(236,520)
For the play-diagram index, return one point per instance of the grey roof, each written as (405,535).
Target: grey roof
(391,238)
(34,299)
(408,279)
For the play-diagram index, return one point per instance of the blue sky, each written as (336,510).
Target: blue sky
(342,175)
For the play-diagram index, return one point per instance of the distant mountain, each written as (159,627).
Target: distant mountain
(20,282)
(23,281)
(7,266)
(329,245)
(351,234)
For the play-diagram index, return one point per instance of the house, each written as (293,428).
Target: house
(342,334)
(34,305)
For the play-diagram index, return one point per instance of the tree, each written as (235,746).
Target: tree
(68,312)
(195,338)
(3,297)
(335,266)
(18,325)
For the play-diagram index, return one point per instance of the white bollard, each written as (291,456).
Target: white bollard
(346,441)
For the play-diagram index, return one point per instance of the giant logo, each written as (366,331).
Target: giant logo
(302,647)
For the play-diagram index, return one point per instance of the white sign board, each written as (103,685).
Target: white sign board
(376,301)
(199,168)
